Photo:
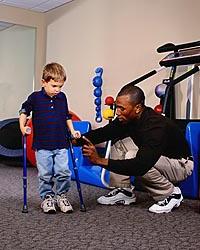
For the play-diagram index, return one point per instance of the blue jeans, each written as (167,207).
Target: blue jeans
(53,168)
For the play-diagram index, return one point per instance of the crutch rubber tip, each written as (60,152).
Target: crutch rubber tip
(83,208)
(25,210)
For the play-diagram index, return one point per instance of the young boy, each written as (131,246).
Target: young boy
(51,121)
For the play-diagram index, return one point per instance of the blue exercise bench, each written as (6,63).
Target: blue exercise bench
(190,186)
(88,173)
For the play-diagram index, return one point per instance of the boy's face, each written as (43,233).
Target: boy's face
(52,87)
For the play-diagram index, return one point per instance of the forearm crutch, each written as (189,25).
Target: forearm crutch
(71,150)
(25,206)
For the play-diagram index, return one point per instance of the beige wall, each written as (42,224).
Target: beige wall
(119,35)
(17,53)
(33,19)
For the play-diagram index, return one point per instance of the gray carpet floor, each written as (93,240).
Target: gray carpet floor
(100,227)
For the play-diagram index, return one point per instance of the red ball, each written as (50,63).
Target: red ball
(109,100)
(158,108)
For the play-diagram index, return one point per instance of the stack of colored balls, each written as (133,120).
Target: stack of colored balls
(97,83)
(108,114)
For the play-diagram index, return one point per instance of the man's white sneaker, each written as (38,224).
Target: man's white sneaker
(166,206)
(123,196)
(64,204)
(48,205)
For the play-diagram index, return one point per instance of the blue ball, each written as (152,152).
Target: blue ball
(98,119)
(97,101)
(98,113)
(97,81)
(98,108)
(97,92)
(99,70)
(160,90)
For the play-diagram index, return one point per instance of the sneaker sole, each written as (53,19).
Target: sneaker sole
(50,212)
(67,212)
(118,202)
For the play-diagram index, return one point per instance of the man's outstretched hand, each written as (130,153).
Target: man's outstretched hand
(90,151)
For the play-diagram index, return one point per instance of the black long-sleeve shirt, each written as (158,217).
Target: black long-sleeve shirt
(154,134)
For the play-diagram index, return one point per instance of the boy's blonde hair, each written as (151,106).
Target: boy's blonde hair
(54,71)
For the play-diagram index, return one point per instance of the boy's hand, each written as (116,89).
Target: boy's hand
(26,130)
(76,134)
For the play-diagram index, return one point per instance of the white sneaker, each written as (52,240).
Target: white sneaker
(123,196)
(48,205)
(166,206)
(63,204)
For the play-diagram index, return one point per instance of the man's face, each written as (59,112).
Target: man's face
(125,110)
(52,87)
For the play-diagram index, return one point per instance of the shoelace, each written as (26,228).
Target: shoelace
(50,201)
(163,203)
(64,199)
(113,192)
(167,200)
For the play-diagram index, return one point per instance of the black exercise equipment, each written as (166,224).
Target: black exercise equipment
(144,77)
(184,54)
(172,47)
(10,138)
(183,57)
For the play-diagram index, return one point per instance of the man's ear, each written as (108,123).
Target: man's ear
(138,108)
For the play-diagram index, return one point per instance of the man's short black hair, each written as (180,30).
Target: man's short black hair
(136,94)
